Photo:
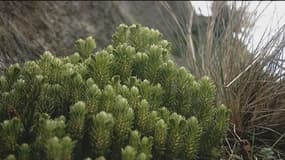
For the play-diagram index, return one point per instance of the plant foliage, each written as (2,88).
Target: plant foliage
(128,101)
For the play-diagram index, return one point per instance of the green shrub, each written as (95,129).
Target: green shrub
(128,101)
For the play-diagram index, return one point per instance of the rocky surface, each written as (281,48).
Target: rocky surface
(27,29)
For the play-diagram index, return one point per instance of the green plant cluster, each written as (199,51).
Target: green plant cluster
(128,101)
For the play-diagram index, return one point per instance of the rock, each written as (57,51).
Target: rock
(27,29)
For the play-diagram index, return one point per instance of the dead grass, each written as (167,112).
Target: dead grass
(249,81)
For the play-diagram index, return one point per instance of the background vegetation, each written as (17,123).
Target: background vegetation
(250,81)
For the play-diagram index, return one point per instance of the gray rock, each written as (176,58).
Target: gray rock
(27,29)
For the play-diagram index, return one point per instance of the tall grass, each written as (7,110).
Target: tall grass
(249,81)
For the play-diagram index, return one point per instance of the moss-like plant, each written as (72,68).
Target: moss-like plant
(128,101)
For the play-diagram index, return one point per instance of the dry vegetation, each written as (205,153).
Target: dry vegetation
(250,82)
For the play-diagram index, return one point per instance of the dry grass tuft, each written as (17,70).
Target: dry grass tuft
(250,81)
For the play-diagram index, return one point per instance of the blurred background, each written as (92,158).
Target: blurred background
(240,45)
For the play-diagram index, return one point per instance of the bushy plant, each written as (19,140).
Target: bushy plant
(128,101)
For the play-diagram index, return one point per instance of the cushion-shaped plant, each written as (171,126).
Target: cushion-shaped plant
(129,101)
